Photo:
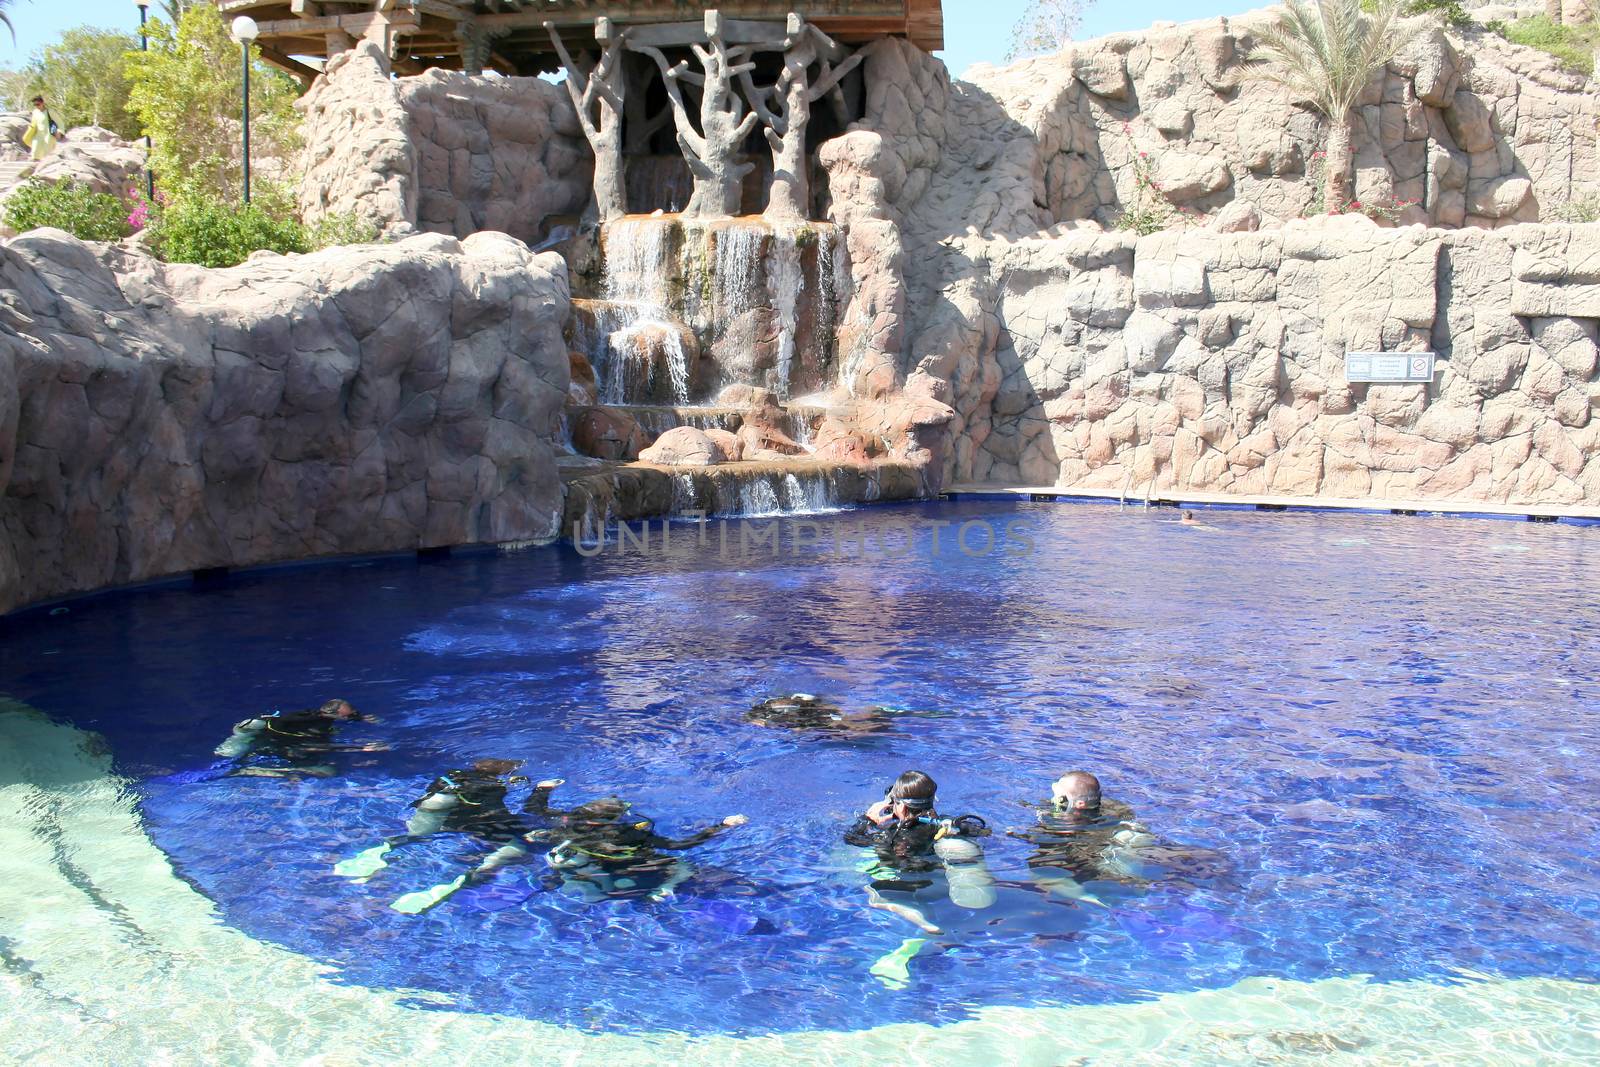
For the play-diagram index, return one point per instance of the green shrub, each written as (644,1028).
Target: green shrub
(1583,209)
(215,233)
(1572,46)
(345,228)
(87,215)
(1453,12)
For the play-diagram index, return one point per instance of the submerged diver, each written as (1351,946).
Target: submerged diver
(471,801)
(294,742)
(802,711)
(1080,838)
(601,850)
(909,837)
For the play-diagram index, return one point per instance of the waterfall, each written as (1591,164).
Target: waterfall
(786,280)
(812,493)
(636,269)
(758,497)
(635,323)
(685,494)
(736,271)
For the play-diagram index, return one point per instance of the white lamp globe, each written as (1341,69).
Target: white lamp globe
(245,29)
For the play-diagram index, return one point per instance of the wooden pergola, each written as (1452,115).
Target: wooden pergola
(510,36)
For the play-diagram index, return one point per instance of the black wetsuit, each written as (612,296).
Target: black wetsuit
(292,739)
(480,806)
(1080,843)
(604,849)
(809,713)
(902,847)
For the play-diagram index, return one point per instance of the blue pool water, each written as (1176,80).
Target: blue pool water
(1376,740)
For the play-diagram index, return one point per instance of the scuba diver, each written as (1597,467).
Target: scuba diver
(471,801)
(1081,837)
(293,742)
(802,711)
(601,849)
(910,837)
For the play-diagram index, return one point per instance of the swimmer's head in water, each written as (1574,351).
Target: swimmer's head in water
(604,810)
(497,768)
(913,791)
(338,709)
(1078,791)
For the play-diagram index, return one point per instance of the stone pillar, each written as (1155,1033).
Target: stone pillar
(338,41)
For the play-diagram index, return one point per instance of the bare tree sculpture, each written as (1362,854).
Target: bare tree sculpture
(1046,27)
(789,114)
(598,89)
(711,151)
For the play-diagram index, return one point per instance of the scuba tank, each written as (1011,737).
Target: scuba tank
(242,739)
(971,884)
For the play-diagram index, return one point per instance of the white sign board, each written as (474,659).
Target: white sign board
(1415,367)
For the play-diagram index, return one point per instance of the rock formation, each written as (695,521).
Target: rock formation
(441,152)
(160,419)
(87,155)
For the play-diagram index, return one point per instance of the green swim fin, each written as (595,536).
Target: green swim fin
(894,970)
(364,865)
(423,899)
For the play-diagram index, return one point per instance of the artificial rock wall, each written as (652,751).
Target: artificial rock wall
(1469,129)
(1215,362)
(988,289)
(441,152)
(159,419)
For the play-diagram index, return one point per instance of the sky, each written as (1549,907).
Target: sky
(976,31)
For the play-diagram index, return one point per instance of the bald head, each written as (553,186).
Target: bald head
(1077,790)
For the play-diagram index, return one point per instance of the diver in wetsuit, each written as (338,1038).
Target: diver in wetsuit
(602,850)
(802,711)
(1081,837)
(471,801)
(910,837)
(294,742)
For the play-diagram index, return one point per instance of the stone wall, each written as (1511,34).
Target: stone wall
(441,152)
(1215,362)
(1473,130)
(160,419)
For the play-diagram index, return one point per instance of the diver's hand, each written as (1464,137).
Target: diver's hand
(879,812)
(736,820)
(551,783)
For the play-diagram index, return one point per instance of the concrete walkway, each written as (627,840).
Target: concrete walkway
(1167,498)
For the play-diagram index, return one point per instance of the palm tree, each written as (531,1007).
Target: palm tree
(6,19)
(1325,52)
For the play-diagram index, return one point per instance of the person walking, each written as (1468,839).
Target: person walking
(42,133)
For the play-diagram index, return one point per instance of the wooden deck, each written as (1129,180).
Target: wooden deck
(429,33)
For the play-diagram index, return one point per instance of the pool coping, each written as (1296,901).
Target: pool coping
(1566,514)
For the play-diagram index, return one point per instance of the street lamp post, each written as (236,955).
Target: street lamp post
(144,46)
(245,31)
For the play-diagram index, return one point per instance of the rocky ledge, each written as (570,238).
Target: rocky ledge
(158,419)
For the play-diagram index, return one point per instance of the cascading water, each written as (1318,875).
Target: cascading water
(635,325)
(786,279)
(736,270)
(757,496)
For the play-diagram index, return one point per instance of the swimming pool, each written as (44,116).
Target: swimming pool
(1373,739)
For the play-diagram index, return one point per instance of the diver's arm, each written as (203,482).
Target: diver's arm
(538,802)
(671,844)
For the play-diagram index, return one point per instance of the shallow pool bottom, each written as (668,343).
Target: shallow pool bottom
(110,958)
